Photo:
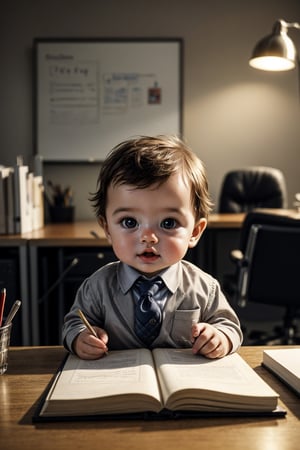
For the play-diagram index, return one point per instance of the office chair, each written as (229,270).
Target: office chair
(252,187)
(268,269)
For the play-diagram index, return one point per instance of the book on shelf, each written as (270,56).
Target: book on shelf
(285,363)
(141,383)
(37,202)
(21,199)
(2,203)
(6,206)
(9,194)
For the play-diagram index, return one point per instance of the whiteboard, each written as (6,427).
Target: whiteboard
(93,94)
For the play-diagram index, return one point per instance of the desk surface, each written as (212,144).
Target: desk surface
(31,368)
(81,232)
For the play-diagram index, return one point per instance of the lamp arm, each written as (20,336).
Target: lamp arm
(282,25)
(298,67)
(297,26)
(293,25)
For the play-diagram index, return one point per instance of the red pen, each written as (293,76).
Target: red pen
(2,303)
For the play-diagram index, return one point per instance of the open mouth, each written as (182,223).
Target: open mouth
(148,256)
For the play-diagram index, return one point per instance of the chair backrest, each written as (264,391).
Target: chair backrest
(271,268)
(264,218)
(253,187)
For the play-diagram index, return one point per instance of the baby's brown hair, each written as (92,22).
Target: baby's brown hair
(147,161)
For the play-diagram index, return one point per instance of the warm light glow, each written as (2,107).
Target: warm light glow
(272,63)
(276,52)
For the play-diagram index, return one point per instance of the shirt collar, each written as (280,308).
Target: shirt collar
(127,276)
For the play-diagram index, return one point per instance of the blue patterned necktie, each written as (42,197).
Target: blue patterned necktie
(148,314)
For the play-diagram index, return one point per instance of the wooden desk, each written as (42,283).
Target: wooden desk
(80,232)
(69,234)
(31,368)
(228,220)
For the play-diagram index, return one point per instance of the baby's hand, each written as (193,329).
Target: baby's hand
(209,341)
(87,346)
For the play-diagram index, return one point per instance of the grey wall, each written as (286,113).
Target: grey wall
(233,115)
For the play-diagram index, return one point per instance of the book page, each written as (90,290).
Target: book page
(228,381)
(120,372)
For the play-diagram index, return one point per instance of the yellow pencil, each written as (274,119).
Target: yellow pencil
(87,324)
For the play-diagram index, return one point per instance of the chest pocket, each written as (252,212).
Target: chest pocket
(182,324)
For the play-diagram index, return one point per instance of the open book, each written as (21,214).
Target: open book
(161,381)
(285,363)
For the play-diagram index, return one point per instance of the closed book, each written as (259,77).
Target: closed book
(6,200)
(37,202)
(23,210)
(2,204)
(9,192)
(17,204)
(284,363)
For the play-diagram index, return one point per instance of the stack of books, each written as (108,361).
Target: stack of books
(21,199)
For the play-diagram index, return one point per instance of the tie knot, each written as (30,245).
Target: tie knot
(145,286)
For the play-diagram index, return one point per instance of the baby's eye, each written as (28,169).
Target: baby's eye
(168,223)
(128,222)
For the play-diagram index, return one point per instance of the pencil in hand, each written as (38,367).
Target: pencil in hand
(87,324)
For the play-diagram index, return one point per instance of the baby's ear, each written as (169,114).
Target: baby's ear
(101,220)
(103,224)
(197,232)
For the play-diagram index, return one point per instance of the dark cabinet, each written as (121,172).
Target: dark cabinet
(61,271)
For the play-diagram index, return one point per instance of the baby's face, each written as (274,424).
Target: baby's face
(152,228)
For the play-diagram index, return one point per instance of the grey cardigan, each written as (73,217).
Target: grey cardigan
(193,295)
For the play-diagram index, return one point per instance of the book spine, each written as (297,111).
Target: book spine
(38,203)
(10,203)
(17,208)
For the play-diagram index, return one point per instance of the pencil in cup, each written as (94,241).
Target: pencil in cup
(2,303)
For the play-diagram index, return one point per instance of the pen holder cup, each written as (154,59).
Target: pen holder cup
(60,214)
(5,332)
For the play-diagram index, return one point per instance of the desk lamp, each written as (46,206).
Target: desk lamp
(276,52)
